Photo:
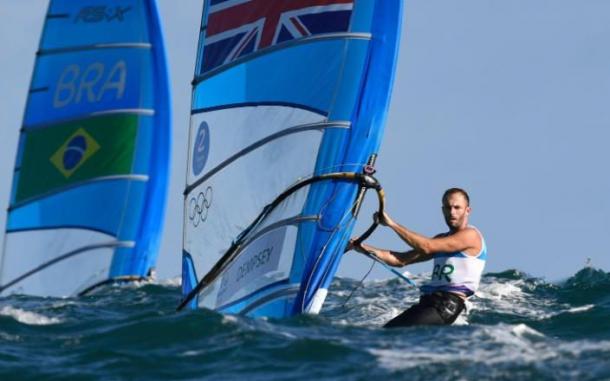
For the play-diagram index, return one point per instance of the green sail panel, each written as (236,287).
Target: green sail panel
(75,152)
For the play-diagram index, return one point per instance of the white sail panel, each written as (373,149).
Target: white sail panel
(217,135)
(218,209)
(88,255)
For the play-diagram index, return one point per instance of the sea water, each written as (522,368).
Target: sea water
(517,327)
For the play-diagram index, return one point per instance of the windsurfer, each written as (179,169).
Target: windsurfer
(459,258)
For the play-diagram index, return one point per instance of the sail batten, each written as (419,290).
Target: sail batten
(144,112)
(134,177)
(81,250)
(260,143)
(73,49)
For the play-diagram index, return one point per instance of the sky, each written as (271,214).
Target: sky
(506,99)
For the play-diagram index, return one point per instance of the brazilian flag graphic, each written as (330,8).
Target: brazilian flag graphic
(74,152)
(66,154)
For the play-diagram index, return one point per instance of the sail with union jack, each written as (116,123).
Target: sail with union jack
(238,28)
(289,104)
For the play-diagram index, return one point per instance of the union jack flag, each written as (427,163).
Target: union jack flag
(236,28)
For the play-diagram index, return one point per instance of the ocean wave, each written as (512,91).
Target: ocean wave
(588,278)
(28,317)
(501,351)
(517,327)
(170,282)
(502,343)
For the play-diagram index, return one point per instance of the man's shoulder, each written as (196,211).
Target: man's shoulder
(466,230)
(469,232)
(470,235)
(475,230)
(476,238)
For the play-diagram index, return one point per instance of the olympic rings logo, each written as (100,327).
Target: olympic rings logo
(199,206)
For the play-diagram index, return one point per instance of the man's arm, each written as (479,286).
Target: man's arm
(394,258)
(459,241)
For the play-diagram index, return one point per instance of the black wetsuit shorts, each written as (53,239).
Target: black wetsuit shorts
(438,308)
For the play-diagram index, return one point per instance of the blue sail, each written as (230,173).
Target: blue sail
(289,99)
(90,178)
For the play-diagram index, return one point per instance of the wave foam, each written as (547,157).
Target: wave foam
(500,344)
(170,282)
(27,317)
